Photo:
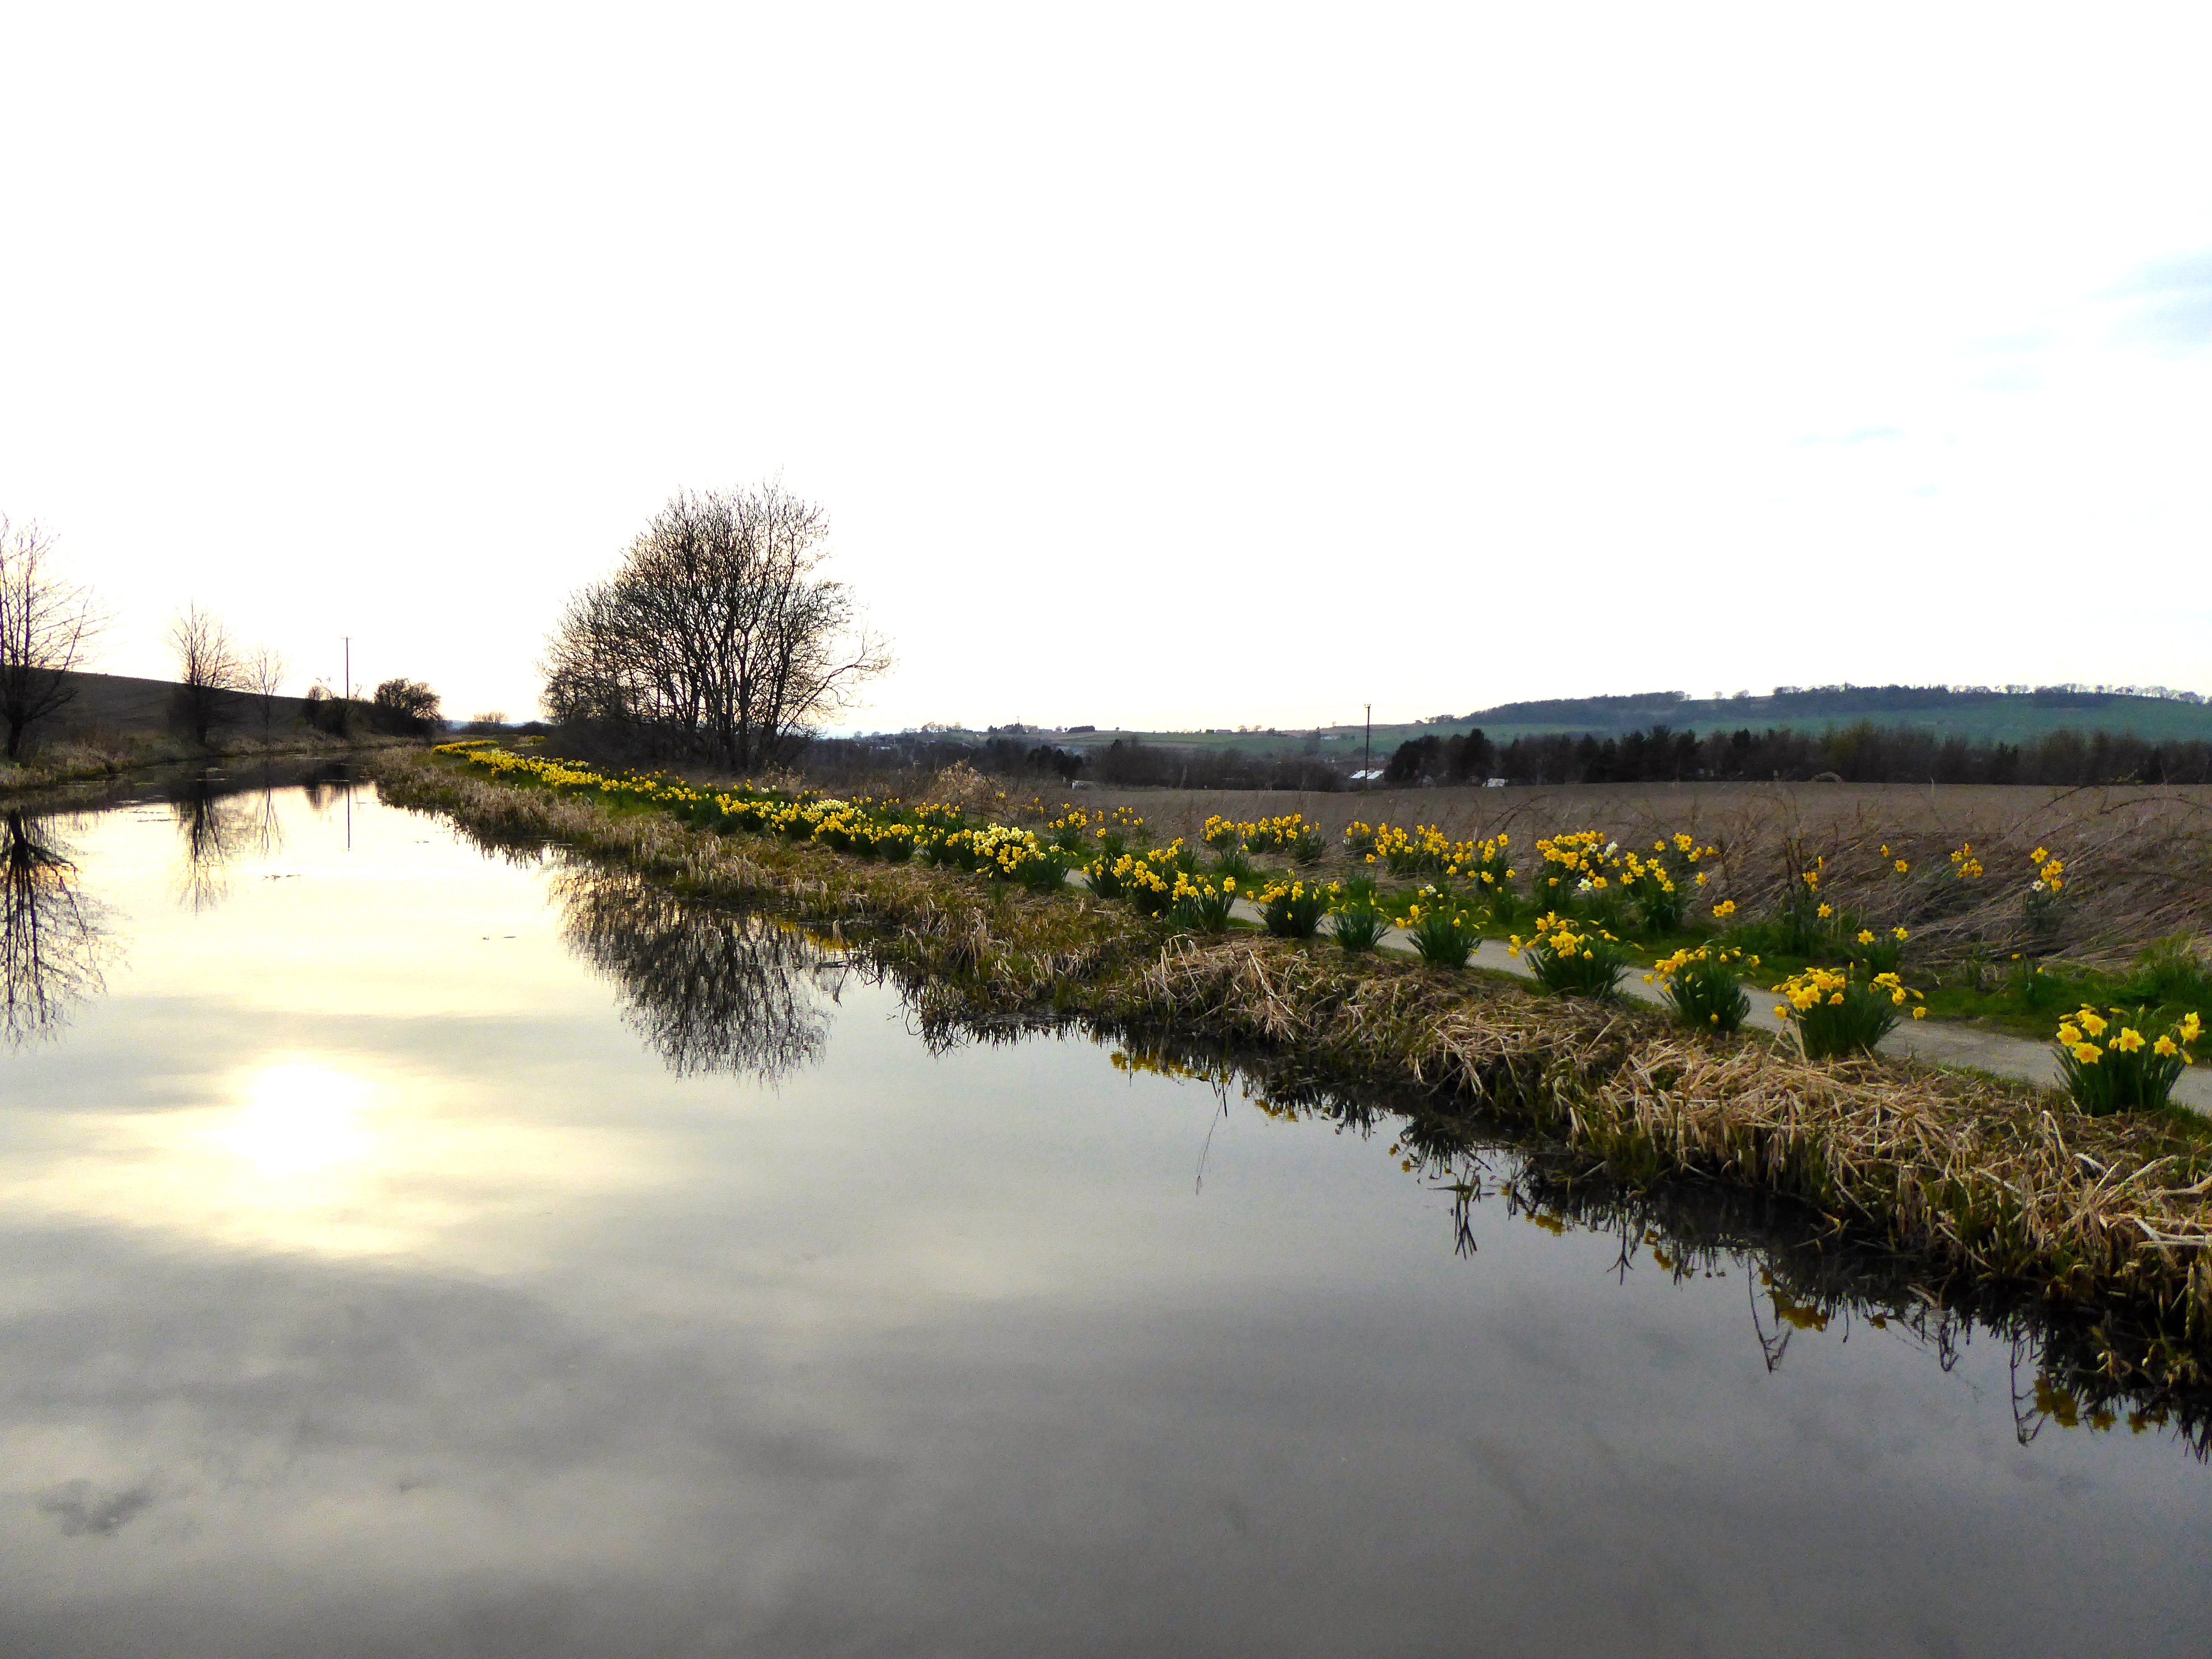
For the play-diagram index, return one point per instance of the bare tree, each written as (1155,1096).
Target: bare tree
(211,669)
(48,626)
(266,673)
(716,636)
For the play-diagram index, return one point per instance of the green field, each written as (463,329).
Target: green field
(1978,716)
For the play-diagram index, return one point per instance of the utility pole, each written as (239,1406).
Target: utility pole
(345,729)
(1367,750)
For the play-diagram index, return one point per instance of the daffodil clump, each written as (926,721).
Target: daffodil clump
(1442,934)
(1106,834)
(1423,850)
(1146,879)
(1201,903)
(2041,901)
(2115,1061)
(1877,951)
(1660,884)
(1572,958)
(1578,865)
(1838,1012)
(1219,832)
(1357,921)
(622,789)
(1704,985)
(1294,909)
(1805,914)
(1488,872)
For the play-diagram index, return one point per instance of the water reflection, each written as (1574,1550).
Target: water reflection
(53,942)
(220,823)
(372,1289)
(1800,1274)
(711,990)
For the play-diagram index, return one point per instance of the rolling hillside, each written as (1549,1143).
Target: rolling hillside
(1979,715)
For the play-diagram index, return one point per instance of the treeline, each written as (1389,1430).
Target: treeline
(1862,753)
(1126,761)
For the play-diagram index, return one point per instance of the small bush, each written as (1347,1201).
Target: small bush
(2110,1064)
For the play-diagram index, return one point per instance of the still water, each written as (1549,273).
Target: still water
(408,1250)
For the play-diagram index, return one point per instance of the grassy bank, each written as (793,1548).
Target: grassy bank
(1974,1182)
(86,761)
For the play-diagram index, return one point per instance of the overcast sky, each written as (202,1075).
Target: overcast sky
(1158,366)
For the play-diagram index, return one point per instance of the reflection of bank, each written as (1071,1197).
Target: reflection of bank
(711,990)
(51,943)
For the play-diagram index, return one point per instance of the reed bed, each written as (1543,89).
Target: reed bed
(1974,1181)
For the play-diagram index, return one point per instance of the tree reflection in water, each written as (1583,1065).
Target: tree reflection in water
(219,825)
(51,941)
(711,990)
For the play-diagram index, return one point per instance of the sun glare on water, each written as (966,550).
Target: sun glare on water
(299,1120)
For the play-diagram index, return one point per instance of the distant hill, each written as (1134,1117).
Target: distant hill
(1979,714)
(122,703)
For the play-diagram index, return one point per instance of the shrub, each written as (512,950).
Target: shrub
(1837,1014)
(1293,909)
(2112,1065)
(1704,986)
(1444,935)
(1573,959)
